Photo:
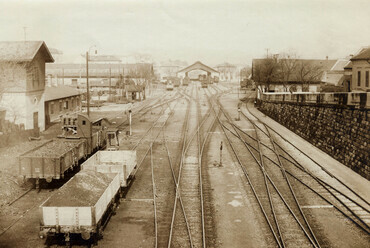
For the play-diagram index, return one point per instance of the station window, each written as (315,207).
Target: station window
(60,106)
(367,79)
(84,123)
(66,104)
(359,78)
(52,108)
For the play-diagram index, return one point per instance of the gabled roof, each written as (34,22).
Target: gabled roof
(19,51)
(348,65)
(334,78)
(363,54)
(198,66)
(59,92)
(339,65)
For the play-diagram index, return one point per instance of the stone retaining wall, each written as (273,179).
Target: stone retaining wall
(341,132)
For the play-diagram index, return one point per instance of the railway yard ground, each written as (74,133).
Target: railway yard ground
(208,176)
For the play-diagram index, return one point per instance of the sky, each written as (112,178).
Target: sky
(213,32)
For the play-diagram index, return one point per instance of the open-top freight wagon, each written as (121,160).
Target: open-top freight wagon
(51,160)
(121,162)
(81,207)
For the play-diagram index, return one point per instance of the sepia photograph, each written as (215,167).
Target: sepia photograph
(184,124)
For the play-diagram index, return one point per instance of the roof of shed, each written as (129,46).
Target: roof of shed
(59,92)
(23,51)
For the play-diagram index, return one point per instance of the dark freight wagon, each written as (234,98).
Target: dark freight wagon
(81,138)
(52,159)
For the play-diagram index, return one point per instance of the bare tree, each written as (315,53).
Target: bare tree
(287,67)
(266,71)
(308,73)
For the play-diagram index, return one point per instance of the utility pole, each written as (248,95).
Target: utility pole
(63,75)
(130,118)
(87,85)
(220,154)
(267,52)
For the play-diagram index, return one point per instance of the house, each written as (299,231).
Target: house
(348,75)
(360,66)
(59,101)
(22,82)
(335,77)
(135,92)
(227,71)
(296,75)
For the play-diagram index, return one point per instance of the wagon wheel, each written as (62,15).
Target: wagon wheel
(68,240)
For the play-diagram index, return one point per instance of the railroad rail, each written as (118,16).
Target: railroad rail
(264,197)
(341,196)
(268,150)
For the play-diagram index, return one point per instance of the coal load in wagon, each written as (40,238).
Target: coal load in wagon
(54,148)
(84,189)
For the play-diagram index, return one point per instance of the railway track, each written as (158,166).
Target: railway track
(275,208)
(33,198)
(325,185)
(271,167)
(188,225)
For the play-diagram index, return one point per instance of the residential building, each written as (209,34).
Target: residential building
(360,64)
(22,82)
(336,76)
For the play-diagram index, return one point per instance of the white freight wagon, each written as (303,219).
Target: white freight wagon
(122,162)
(81,206)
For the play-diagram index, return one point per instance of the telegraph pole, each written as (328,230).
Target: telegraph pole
(87,85)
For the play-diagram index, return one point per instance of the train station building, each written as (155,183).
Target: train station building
(197,66)
(22,82)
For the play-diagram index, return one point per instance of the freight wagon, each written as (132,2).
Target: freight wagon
(169,86)
(121,162)
(51,160)
(81,207)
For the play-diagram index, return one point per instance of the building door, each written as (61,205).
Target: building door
(348,86)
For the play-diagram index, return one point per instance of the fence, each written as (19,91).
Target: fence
(351,99)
